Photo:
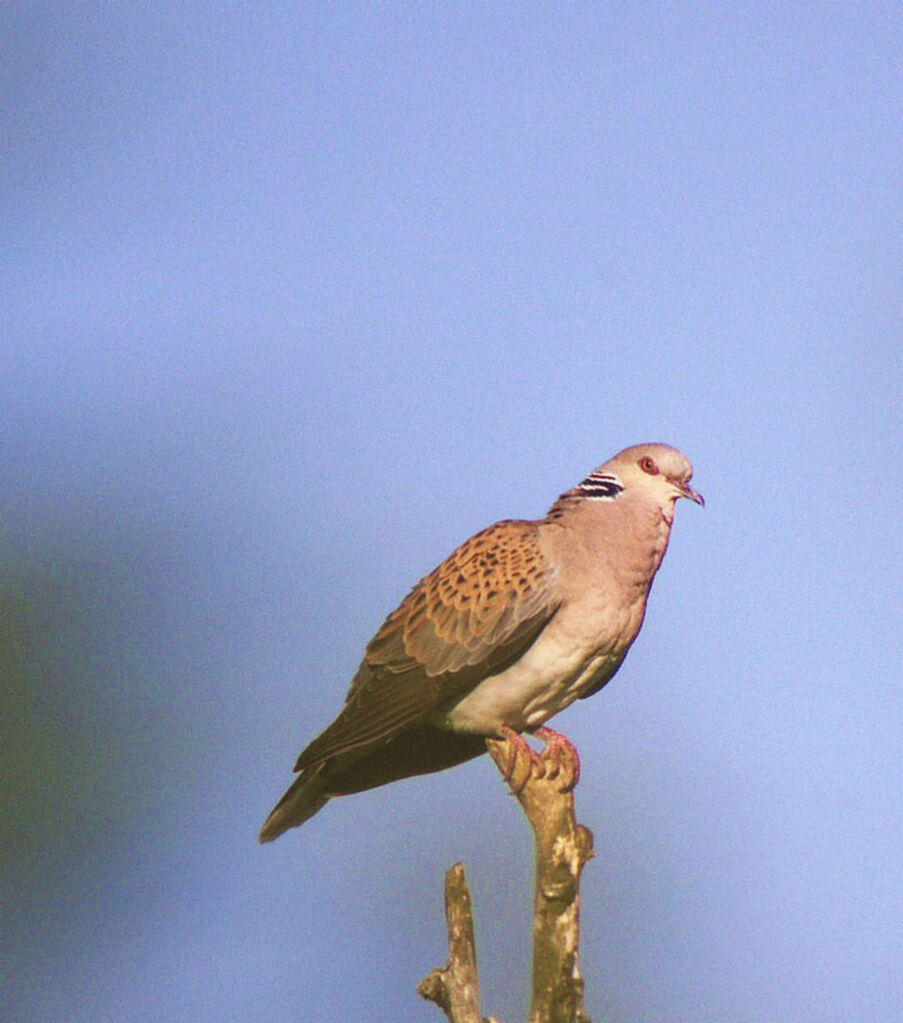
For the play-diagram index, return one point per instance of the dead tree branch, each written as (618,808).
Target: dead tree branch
(543,784)
(455,988)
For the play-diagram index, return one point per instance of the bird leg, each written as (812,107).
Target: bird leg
(521,761)
(560,757)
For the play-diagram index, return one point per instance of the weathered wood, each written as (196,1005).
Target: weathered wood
(455,987)
(543,785)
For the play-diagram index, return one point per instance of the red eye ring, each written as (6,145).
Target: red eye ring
(647,465)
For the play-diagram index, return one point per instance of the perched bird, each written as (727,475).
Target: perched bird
(516,624)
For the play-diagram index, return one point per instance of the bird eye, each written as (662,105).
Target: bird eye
(647,465)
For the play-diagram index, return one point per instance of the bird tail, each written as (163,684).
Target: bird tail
(306,796)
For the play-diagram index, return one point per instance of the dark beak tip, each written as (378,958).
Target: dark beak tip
(685,490)
(694,496)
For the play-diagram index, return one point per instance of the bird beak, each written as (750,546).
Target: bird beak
(693,495)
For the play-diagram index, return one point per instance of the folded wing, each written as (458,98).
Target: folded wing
(470,618)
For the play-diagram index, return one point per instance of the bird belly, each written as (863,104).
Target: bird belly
(546,680)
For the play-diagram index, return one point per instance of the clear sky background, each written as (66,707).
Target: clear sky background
(299,296)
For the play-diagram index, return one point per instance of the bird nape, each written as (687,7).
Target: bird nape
(517,623)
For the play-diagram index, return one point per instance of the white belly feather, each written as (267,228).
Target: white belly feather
(549,677)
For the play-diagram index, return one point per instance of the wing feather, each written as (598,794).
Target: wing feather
(471,617)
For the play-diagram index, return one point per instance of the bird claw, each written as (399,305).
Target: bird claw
(557,761)
(560,756)
(522,761)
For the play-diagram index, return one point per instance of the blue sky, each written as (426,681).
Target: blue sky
(299,296)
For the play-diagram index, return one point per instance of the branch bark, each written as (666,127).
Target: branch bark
(544,788)
(543,784)
(455,988)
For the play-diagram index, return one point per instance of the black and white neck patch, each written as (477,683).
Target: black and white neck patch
(602,486)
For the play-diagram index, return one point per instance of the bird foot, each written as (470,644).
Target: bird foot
(560,757)
(521,761)
(558,761)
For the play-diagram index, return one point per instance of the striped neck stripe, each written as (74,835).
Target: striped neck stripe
(603,486)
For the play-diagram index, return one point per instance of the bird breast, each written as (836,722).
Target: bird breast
(601,594)
(573,653)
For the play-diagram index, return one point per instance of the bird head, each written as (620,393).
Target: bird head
(656,475)
(656,471)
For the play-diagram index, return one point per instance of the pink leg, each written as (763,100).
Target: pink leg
(561,757)
(523,761)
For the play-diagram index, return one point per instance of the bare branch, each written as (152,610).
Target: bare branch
(455,988)
(543,785)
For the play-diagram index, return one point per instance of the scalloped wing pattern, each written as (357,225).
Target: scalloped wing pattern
(468,605)
(471,617)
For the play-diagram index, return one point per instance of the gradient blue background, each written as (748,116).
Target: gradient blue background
(299,296)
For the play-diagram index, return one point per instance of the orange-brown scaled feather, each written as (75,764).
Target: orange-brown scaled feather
(472,614)
(470,617)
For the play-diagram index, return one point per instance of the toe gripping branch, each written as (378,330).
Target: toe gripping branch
(558,762)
